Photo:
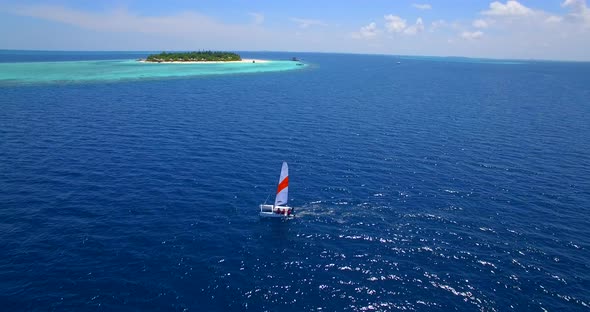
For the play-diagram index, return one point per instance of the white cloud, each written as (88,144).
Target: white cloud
(258,17)
(579,11)
(480,23)
(183,30)
(437,24)
(305,23)
(366,32)
(471,35)
(121,20)
(394,23)
(578,5)
(416,28)
(554,19)
(511,8)
(424,6)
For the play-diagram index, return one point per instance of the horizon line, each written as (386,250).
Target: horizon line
(316,52)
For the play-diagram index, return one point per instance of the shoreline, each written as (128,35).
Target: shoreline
(255,61)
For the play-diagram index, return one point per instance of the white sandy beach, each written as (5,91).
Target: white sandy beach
(215,62)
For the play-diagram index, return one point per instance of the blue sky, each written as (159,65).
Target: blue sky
(549,29)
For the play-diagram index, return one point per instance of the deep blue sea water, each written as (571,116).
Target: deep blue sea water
(429,185)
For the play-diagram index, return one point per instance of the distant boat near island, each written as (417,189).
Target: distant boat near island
(298,60)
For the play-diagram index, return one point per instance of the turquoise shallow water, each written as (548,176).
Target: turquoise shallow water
(114,70)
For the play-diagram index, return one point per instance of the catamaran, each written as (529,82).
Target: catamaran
(280,208)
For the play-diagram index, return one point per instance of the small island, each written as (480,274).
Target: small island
(200,56)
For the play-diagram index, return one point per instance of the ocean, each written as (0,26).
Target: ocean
(432,184)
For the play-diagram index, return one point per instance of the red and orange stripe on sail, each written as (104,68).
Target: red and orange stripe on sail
(283,185)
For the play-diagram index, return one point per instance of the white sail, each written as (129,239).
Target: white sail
(283,188)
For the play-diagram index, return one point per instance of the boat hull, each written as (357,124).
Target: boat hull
(270,211)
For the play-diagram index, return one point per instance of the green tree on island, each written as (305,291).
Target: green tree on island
(200,56)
